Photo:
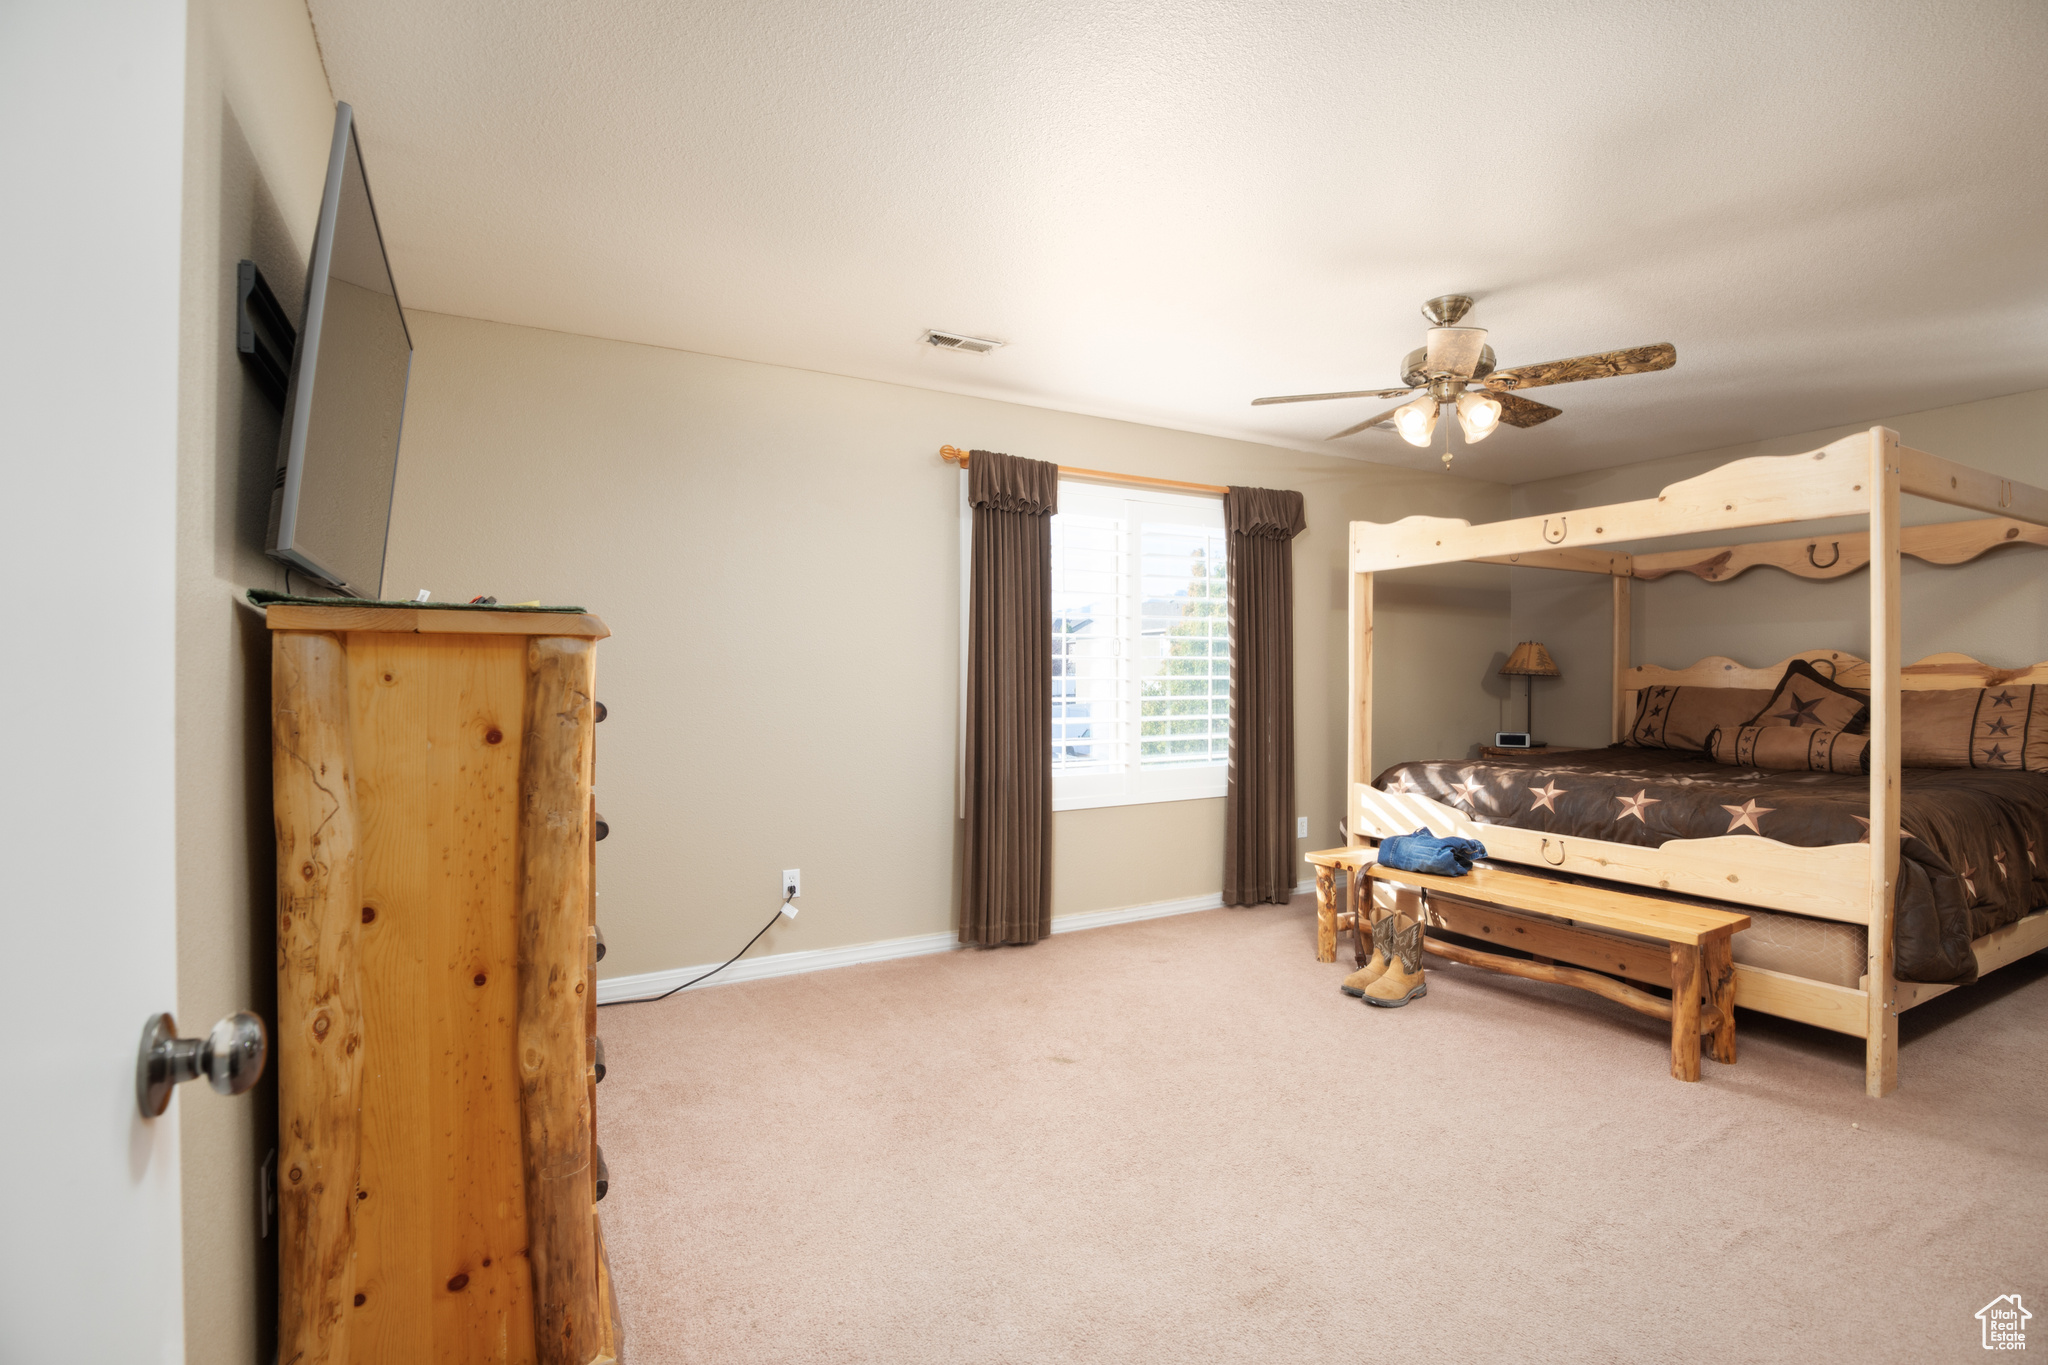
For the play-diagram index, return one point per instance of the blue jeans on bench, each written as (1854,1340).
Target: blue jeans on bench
(1425,852)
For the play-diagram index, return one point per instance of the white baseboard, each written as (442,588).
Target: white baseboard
(616,989)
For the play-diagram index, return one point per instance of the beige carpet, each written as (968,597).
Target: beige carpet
(1176,1141)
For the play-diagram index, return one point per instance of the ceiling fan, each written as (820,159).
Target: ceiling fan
(1455,369)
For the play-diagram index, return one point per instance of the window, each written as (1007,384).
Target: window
(1140,648)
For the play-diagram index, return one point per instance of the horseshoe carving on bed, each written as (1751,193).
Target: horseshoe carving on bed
(1560,853)
(1557,539)
(1835,545)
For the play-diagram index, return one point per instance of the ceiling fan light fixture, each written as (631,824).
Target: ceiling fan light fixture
(1453,358)
(1416,421)
(1478,415)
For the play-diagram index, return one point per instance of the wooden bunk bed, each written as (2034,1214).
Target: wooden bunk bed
(1862,475)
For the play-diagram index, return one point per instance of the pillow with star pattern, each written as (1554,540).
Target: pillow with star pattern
(1970,727)
(1791,748)
(1806,700)
(1687,717)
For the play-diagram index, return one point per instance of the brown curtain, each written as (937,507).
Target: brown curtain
(1259,852)
(1007,895)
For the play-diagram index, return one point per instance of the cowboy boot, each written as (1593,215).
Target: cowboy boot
(1382,935)
(1403,980)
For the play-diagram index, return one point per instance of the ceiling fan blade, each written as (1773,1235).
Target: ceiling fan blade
(1454,351)
(1319,397)
(1368,422)
(1517,411)
(1635,360)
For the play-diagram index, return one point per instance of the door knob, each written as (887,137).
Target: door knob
(230,1056)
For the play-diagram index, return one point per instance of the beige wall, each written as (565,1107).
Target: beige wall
(777,553)
(258,120)
(1995,608)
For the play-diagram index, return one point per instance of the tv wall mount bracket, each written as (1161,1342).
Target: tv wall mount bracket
(263,334)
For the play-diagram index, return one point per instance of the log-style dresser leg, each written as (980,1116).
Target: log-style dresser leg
(554,919)
(1685,1011)
(319,994)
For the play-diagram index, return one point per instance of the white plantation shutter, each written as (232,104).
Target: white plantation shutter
(1140,647)
(1184,661)
(1091,577)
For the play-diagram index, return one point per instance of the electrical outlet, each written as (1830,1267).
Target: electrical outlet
(792,882)
(1301,827)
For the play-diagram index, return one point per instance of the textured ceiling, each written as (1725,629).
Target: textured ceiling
(1835,210)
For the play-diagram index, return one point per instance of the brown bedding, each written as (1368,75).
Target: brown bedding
(1970,857)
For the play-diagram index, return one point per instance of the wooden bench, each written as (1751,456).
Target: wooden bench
(1331,917)
(1600,925)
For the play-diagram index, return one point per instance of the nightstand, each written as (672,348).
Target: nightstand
(1492,751)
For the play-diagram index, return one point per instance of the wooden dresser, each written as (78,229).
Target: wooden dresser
(438,1170)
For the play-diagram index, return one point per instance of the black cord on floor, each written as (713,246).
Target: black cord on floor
(650,999)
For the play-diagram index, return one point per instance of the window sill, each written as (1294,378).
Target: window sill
(1096,802)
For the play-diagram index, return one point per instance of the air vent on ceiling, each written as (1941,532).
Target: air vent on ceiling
(953,341)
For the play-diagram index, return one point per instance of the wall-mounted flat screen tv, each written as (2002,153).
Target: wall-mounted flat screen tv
(330,508)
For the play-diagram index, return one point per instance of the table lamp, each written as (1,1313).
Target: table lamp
(1532,661)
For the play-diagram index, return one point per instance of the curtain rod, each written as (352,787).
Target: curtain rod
(955,455)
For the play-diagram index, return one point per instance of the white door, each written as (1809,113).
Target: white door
(91,150)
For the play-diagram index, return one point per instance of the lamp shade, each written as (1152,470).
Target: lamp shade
(1530,660)
(1478,415)
(1415,421)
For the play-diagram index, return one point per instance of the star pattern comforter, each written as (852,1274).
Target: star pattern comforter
(1972,843)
